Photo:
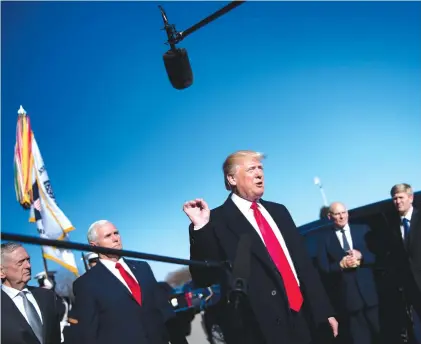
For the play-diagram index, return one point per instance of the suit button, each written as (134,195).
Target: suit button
(273,292)
(278,321)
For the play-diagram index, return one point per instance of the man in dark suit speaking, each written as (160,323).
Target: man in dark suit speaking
(119,300)
(344,257)
(28,315)
(285,294)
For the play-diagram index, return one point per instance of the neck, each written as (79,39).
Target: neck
(403,213)
(17,286)
(110,257)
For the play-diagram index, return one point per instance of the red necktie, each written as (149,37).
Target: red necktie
(277,254)
(131,282)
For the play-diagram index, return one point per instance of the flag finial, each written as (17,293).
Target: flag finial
(21,111)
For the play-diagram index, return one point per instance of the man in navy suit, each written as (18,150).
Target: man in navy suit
(286,299)
(119,300)
(345,260)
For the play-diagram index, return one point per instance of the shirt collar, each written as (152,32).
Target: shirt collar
(242,204)
(111,263)
(408,214)
(12,292)
(346,228)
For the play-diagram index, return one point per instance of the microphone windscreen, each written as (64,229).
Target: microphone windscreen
(178,68)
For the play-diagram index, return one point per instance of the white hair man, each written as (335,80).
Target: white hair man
(119,300)
(28,315)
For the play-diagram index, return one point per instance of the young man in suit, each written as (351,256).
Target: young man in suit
(286,298)
(405,250)
(119,300)
(28,315)
(344,258)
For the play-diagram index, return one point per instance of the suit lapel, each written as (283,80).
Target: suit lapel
(239,225)
(415,227)
(107,274)
(11,310)
(334,246)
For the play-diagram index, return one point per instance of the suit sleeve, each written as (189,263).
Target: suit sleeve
(204,247)
(86,313)
(314,293)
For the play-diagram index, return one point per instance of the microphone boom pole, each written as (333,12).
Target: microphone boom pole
(176,60)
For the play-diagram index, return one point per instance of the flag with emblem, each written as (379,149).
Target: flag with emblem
(34,192)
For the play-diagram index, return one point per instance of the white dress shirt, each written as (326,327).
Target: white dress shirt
(18,301)
(245,207)
(348,236)
(110,265)
(408,216)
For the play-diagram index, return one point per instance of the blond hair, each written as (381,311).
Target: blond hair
(231,163)
(403,187)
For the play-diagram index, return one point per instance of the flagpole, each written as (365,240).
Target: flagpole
(45,262)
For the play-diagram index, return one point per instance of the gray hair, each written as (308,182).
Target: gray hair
(8,247)
(92,231)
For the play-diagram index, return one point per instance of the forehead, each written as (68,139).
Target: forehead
(401,195)
(17,255)
(249,161)
(106,229)
(339,208)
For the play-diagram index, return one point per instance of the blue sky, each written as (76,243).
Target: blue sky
(323,88)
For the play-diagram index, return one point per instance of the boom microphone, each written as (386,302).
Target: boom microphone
(178,68)
(176,60)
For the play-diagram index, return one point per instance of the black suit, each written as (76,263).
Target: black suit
(107,313)
(269,319)
(16,330)
(404,264)
(353,291)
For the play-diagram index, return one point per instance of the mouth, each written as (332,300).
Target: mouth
(259,184)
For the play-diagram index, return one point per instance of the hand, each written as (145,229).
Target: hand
(355,253)
(348,262)
(197,211)
(334,326)
(352,262)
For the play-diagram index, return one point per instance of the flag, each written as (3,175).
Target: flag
(34,192)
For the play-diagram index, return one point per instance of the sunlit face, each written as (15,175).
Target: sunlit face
(248,180)
(402,202)
(339,214)
(108,236)
(16,268)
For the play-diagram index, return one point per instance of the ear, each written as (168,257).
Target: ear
(92,243)
(411,198)
(329,216)
(231,180)
(2,274)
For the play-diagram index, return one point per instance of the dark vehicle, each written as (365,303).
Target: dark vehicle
(379,217)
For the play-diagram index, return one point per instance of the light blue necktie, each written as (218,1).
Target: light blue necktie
(33,317)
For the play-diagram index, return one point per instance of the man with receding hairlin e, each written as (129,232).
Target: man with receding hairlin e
(285,293)
(345,259)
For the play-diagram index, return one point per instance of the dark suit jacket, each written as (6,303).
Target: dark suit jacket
(16,330)
(218,241)
(107,313)
(350,289)
(404,258)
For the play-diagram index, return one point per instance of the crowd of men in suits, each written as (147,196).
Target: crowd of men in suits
(119,300)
